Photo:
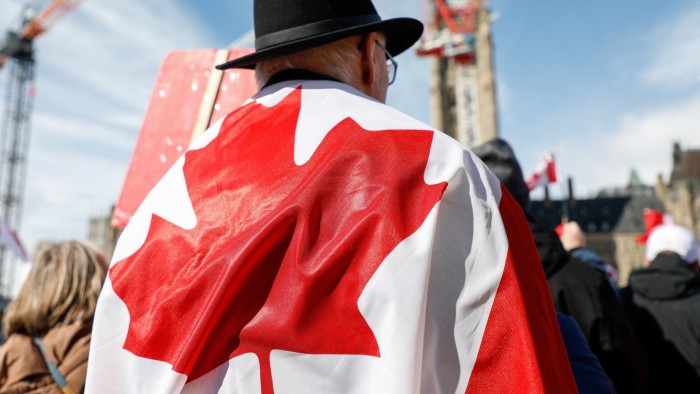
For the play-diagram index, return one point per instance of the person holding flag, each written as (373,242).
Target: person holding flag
(316,240)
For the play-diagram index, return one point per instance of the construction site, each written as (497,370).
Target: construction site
(459,44)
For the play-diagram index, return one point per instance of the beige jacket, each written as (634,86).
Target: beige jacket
(23,370)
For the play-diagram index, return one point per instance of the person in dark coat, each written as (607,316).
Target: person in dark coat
(578,289)
(664,300)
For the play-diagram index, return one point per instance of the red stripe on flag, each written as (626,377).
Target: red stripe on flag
(652,219)
(522,350)
(545,174)
(551,171)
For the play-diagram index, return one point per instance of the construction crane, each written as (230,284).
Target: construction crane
(458,40)
(17,53)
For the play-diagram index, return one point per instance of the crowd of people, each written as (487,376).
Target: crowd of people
(404,261)
(638,339)
(642,336)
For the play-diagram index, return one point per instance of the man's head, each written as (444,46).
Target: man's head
(345,39)
(671,238)
(359,61)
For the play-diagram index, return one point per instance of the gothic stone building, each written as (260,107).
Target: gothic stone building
(681,194)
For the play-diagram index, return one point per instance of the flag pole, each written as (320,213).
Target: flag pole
(564,204)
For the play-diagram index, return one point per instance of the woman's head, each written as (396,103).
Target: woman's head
(61,289)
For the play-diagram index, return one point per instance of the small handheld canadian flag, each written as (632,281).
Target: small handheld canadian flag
(652,219)
(545,173)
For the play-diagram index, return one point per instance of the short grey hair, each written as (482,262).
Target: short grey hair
(337,59)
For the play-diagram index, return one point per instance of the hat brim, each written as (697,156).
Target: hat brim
(401,34)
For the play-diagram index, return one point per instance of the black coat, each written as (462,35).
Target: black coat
(664,303)
(584,293)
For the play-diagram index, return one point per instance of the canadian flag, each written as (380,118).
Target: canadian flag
(652,219)
(545,173)
(10,240)
(318,241)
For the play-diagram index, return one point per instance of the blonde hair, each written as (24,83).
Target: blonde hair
(62,288)
(337,59)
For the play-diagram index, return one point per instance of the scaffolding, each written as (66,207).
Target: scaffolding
(17,53)
(458,40)
(14,141)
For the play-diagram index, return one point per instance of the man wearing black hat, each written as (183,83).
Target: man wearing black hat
(344,41)
(319,241)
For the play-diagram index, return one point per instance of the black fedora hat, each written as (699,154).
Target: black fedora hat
(287,26)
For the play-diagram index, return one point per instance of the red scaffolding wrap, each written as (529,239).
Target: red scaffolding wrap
(179,103)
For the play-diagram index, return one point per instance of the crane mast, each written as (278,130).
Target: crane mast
(17,53)
(458,40)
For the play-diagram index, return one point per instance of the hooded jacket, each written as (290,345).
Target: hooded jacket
(665,304)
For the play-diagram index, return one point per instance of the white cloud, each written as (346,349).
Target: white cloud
(96,69)
(675,50)
(77,134)
(642,140)
(642,137)
(10,18)
(110,51)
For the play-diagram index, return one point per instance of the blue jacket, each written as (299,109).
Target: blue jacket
(589,374)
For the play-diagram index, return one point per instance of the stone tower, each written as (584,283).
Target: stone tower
(463,94)
(681,194)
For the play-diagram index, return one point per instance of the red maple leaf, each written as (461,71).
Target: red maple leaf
(280,253)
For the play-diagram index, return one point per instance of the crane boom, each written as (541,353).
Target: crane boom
(16,43)
(48,17)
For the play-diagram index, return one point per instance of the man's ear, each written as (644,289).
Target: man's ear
(369,68)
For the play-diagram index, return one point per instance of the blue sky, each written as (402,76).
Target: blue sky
(607,86)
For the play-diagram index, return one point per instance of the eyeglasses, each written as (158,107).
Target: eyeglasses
(391,65)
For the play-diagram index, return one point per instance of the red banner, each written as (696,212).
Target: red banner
(189,95)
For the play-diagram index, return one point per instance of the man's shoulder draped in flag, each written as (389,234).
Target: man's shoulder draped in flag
(318,241)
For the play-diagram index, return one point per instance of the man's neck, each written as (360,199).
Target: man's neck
(293,74)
